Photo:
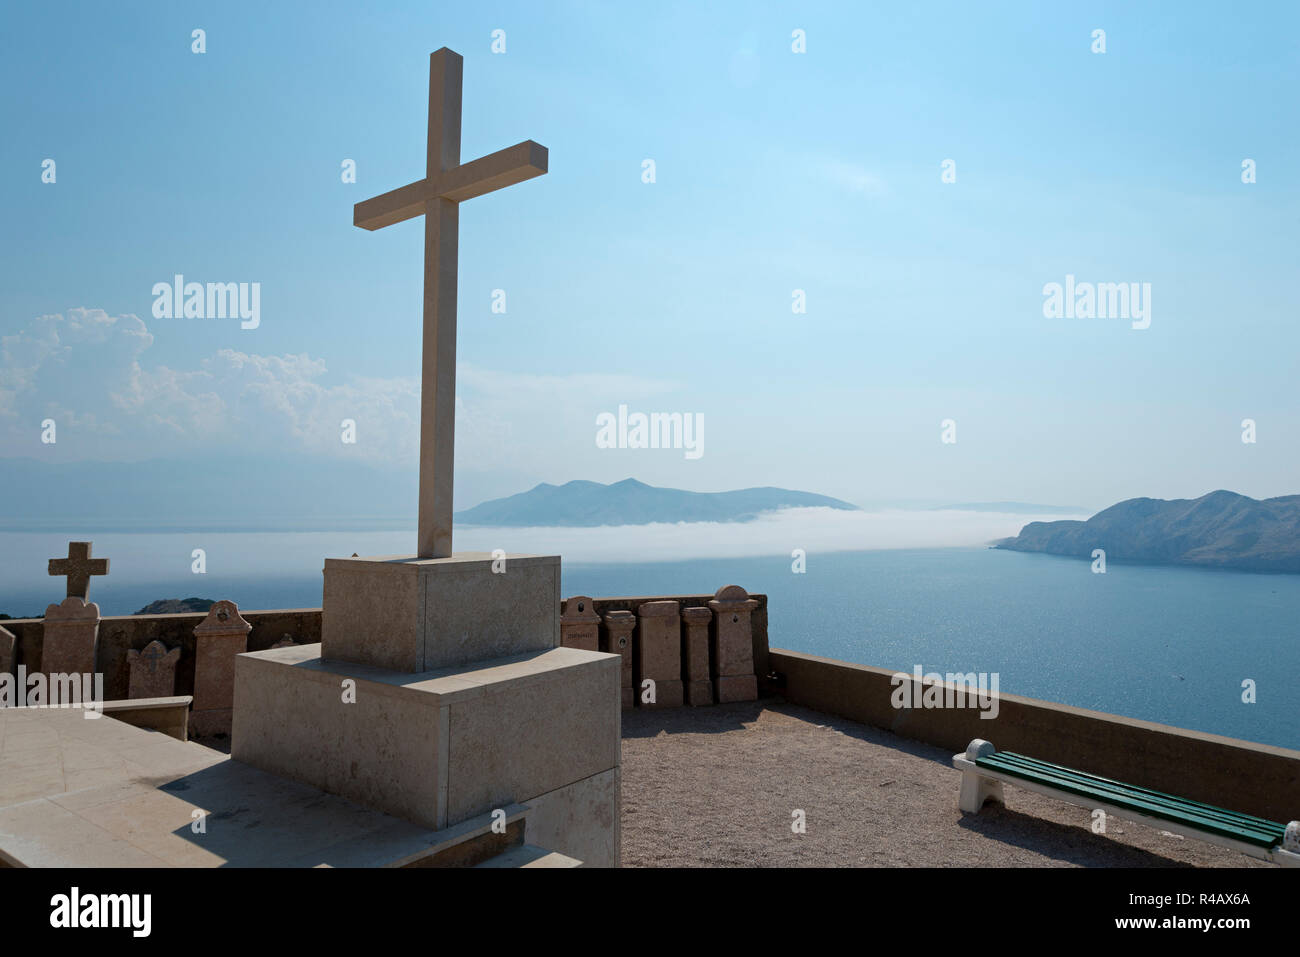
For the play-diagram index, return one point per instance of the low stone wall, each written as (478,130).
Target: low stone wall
(1238,775)
(121,633)
(171,715)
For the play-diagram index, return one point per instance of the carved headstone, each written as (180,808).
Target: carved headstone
(617,640)
(580,625)
(217,640)
(152,671)
(659,654)
(697,683)
(71,633)
(732,645)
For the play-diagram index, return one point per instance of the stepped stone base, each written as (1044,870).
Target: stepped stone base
(439,747)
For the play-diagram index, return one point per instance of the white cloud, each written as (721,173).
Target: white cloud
(90,372)
(773,533)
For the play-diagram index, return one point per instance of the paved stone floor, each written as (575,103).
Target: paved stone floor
(77,792)
(717,787)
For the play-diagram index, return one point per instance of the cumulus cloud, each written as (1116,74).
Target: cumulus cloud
(91,373)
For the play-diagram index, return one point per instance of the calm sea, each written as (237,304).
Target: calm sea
(1165,644)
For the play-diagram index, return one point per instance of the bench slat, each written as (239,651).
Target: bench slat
(1166,807)
(1161,810)
(1256,831)
(1208,810)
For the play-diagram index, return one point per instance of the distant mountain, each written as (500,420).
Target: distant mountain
(630,502)
(1220,530)
(176,606)
(1014,508)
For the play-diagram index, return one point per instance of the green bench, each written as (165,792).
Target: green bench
(984,770)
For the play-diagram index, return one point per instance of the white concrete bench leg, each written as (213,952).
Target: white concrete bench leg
(1288,854)
(975,788)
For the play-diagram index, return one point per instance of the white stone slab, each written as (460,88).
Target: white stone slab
(140,809)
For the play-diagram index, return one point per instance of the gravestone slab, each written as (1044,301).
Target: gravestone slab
(152,671)
(732,645)
(71,633)
(217,640)
(659,654)
(617,640)
(579,624)
(697,684)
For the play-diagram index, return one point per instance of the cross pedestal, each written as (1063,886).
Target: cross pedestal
(439,691)
(418,614)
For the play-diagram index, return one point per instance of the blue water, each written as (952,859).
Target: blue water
(1164,644)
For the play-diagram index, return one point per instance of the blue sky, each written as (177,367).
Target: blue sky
(775,171)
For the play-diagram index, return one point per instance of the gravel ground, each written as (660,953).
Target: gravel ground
(716,787)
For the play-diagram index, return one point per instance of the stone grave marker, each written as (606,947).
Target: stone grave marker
(217,640)
(732,645)
(697,683)
(152,671)
(70,636)
(617,640)
(659,654)
(580,625)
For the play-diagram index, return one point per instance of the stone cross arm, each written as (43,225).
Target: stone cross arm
(514,164)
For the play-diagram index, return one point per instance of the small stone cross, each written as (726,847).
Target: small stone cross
(78,567)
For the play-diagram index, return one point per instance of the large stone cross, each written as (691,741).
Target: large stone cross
(437,197)
(78,566)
